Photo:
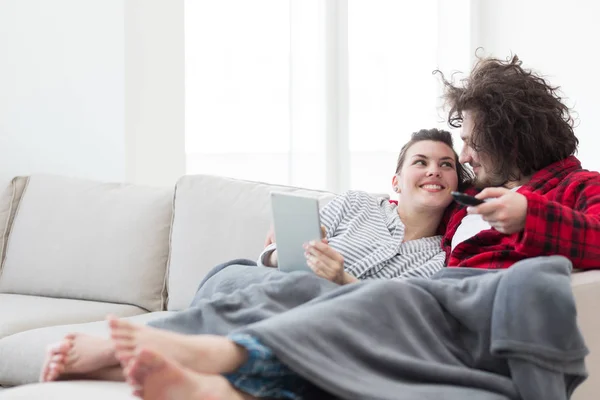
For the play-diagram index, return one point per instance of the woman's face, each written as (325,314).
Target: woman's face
(428,175)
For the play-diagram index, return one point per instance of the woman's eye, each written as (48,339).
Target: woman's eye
(420,162)
(447,164)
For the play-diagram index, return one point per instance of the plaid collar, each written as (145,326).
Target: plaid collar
(549,177)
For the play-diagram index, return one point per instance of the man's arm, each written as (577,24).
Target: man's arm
(571,230)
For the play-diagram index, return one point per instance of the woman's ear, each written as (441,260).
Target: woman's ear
(395,184)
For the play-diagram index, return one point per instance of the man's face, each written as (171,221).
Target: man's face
(481,165)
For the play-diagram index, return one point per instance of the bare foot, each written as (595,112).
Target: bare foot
(55,356)
(76,355)
(206,354)
(163,379)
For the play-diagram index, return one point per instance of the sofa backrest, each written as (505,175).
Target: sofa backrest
(216,220)
(88,240)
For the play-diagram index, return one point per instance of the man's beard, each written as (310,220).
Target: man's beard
(490,180)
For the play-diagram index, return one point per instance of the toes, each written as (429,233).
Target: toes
(112,321)
(124,356)
(115,324)
(136,372)
(71,336)
(149,358)
(61,347)
(124,348)
(124,345)
(45,372)
(57,359)
(45,368)
(119,324)
(53,348)
(66,346)
(138,392)
(54,371)
(56,354)
(122,337)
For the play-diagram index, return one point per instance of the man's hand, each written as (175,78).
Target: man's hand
(326,262)
(506,210)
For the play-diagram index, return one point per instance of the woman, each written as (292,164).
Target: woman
(366,238)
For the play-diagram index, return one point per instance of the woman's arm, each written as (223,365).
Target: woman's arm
(268,257)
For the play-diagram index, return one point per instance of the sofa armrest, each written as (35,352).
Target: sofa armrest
(581,277)
(586,289)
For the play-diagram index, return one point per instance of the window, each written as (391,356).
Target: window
(391,54)
(314,93)
(237,81)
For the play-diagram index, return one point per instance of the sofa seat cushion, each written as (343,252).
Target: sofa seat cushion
(87,240)
(20,312)
(88,390)
(22,354)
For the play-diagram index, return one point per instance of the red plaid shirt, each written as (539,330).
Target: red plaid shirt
(563,218)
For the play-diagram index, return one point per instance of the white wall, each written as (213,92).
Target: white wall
(559,39)
(154,91)
(93,89)
(61,88)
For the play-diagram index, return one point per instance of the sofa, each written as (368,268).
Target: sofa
(73,251)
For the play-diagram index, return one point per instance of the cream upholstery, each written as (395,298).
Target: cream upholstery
(90,241)
(109,244)
(216,220)
(586,288)
(88,390)
(21,312)
(26,350)
(9,200)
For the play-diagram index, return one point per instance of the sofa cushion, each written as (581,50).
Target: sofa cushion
(218,219)
(10,194)
(89,240)
(21,312)
(22,354)
(71,390)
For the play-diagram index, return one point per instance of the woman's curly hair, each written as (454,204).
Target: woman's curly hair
(519,119)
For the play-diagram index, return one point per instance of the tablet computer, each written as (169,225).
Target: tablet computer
(296,221)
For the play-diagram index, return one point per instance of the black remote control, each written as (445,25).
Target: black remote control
(466,200)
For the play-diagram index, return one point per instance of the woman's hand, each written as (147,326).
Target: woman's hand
(271,260)
(271,235)
(326,262)
(506,212)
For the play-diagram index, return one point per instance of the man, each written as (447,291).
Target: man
(518,138)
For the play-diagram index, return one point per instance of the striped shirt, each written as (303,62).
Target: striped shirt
(368,233)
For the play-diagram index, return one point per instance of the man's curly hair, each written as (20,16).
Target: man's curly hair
(519,119)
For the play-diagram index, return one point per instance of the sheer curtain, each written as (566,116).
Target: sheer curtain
(315,93)
(392,50)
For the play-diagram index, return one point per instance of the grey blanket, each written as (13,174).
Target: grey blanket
(509,334)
